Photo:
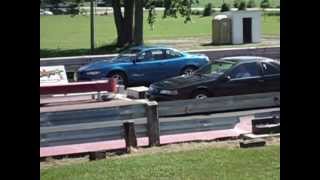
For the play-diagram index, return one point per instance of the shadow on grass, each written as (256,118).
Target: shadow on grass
(105,49)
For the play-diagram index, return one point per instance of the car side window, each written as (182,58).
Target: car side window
(269,69)
(141,56)
(245,70)
(172,54)
(157,54)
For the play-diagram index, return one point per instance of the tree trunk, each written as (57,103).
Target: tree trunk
(128,20)
(138,22)
(118,19)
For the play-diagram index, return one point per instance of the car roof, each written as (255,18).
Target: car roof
(240,59)
(151,47)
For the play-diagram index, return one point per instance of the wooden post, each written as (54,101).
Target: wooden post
(97,155)
(153,123)
(130,135)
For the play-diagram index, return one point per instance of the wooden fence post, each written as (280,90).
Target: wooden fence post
(130,135)
(153,123)
(97,155)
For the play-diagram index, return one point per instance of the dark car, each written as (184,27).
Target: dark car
(143,66)
(223,77)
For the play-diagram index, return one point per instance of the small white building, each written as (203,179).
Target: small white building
(245,26)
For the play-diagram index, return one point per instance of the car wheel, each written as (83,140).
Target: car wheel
(200,95)
(120,77)
(188,70)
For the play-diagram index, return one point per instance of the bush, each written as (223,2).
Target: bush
(236,3)
(225,7)
(251,4)
(158,3)
(73,9)
(242,6)
(265,4)
(58,11)
(207,10)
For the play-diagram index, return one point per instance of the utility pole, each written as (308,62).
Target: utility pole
(92,25)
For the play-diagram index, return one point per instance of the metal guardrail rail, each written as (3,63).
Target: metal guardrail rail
(73,63)
(72,126)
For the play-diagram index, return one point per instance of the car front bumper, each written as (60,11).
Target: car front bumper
(160,97)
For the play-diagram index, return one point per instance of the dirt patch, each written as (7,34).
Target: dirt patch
(230,144)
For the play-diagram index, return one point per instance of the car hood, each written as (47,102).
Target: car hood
(185,81)
(105,63)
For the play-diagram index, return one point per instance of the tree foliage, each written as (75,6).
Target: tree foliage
(251,4)
(265,4)
(236,3)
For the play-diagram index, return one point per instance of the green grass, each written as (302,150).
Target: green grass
(65,32)
(208,163)
(217,3)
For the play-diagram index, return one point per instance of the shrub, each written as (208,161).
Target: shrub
(236,3)
(251,4)
(196,12)
(242,6)
(225,7)
(207,10)
(58,11)
(272,13)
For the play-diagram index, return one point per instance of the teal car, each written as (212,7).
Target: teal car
(143,66)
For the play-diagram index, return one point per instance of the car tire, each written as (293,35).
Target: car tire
(200,94)
(188,70)
(120,77)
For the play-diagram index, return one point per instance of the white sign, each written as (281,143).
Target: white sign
(53,75)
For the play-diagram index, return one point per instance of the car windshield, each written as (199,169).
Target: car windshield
(216,67)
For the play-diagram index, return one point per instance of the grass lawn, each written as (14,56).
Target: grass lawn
(207,163)
(65,32)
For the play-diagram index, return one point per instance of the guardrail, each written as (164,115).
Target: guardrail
(79,87)
(73,63)
(98,123)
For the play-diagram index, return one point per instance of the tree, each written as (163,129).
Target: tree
(138,22)
(172,8)
(129,24)
(265,4)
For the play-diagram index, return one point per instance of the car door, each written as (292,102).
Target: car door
(148,67)
(244,78)
(271,76)
(173,63)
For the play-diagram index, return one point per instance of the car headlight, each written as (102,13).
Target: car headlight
(92,73)
(169,92)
